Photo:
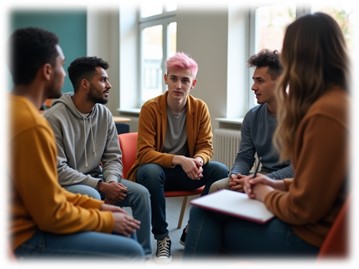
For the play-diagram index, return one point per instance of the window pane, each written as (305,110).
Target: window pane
(172,39)
(270,24)
(151,62)
(343,14)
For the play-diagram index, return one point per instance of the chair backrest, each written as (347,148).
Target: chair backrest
(128,145)
(336,241)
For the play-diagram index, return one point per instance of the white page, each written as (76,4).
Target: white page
(236,204)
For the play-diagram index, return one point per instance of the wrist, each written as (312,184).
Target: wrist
(99,183)
(200,160)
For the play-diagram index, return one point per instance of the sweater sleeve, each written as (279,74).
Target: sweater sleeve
(52,208)
(245,156)
(285,172)
(320,163)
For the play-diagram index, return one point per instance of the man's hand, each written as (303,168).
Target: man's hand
(192,167)
(113,191)
(236,182)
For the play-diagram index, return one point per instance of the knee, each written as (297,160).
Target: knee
(195,214)
(219,168)
(149,170)
(135,249)
(142,192)
(219,185)
(214,187)
(150,175)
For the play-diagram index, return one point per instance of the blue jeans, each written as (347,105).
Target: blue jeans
(138,199)
(158,180)
(82,244)
(213,234)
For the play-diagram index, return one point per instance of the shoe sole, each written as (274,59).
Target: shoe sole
(162,260)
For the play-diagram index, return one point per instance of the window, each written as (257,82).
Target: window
(268,24)
(158,31)
(343,14)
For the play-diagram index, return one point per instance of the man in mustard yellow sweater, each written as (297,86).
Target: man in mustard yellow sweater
(174,146)
(46,220)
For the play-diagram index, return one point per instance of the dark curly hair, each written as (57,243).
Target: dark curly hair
(268,58)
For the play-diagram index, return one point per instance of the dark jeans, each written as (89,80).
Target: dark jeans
(212,234)
(158,180)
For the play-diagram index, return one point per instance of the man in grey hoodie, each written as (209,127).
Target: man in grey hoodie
(89,156)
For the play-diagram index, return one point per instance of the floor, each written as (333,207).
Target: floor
(173,208)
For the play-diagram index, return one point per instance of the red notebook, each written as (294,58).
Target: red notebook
(236,204)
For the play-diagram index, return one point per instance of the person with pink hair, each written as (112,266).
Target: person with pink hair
(174,146)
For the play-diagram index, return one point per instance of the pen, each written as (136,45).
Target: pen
(257,167)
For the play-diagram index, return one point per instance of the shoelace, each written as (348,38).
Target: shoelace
(163,247)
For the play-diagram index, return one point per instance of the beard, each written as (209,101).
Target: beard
(95,97)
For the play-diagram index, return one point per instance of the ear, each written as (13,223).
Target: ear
(194,82)
(84,83)
(165,78)
(47,71)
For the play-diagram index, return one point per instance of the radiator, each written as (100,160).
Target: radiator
(226,145)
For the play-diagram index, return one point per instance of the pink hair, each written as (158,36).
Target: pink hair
(182,61)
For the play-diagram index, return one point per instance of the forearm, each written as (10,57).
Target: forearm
(68,176)
(285,172)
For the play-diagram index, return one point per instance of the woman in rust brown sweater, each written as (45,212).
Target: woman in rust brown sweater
(312,132)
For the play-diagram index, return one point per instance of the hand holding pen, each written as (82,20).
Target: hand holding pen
(248,186)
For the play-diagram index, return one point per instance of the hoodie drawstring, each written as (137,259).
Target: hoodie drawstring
(92,140)
(86,163)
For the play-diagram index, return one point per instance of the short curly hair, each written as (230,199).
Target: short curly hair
(268,58)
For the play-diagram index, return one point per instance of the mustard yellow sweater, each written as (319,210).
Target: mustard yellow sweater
(320,162)
(37,201)
(152,128)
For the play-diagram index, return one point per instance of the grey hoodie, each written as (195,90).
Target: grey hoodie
(87,144)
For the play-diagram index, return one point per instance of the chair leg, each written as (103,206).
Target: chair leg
(183,209)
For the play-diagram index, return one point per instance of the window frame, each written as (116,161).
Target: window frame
(164,19)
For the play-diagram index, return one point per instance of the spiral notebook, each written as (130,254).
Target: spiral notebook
(236,204)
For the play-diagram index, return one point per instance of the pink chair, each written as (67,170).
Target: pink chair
(128,145)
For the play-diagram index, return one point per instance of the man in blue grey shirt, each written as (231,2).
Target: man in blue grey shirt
(258,127)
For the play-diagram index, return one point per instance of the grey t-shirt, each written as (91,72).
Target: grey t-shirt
(176,135)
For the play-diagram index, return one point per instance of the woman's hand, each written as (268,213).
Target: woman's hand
(258,187)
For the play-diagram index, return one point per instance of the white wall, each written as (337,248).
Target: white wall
(103,41)
(204,34)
